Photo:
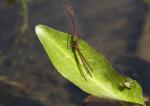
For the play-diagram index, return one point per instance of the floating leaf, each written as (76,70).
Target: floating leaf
(105,81)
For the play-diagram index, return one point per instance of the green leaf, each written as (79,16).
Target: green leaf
(147,1)
(105,81)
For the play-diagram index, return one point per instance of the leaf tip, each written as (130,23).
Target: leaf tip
(39,30)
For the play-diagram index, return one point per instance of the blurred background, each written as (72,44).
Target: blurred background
(119,29)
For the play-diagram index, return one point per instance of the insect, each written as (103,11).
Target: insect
(75,48)
(127,83)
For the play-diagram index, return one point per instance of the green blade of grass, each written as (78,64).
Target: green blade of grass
(105,81)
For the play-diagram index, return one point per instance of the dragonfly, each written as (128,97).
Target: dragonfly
(79,57)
